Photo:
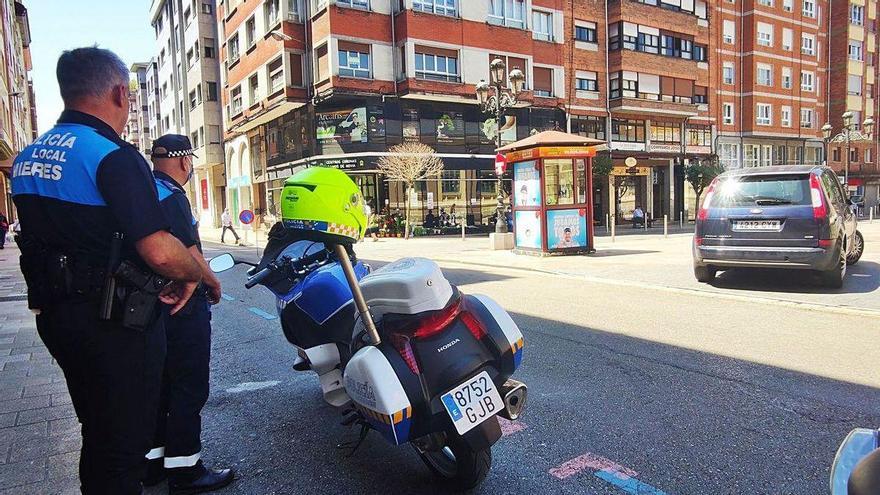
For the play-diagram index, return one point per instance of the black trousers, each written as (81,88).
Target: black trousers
(113,375)
(223,234)
(184,386)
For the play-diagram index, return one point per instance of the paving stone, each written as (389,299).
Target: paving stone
(15,474)
(45,389)
(46,414)
(25,403)
(63,465)
(33,431)
(64,426)
(9,360)
(11,393)
(65,486)
(37,349)
(8,419)
(61,399)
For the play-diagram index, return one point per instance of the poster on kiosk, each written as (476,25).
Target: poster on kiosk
(566,229)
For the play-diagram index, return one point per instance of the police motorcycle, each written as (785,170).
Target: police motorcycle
(398,350)
(856,467)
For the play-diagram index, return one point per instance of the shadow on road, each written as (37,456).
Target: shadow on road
(863,277)
(607,253)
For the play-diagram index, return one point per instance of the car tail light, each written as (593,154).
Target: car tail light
(824,243)
(820,209)
(704,209)
(698,240)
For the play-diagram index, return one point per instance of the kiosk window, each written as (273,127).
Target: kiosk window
(558,182)
(580,167)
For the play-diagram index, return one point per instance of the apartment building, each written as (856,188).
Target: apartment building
(853,71)
(771,78)
(187,77)
(17,108)
(137,131)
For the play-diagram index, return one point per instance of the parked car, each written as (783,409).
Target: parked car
(793,216)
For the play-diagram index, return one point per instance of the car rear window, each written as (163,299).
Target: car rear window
(763,190)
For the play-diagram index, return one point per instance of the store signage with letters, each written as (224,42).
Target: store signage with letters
(631,171)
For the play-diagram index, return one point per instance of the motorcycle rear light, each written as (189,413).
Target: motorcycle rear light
(473,325)
(403,347)
(820,209)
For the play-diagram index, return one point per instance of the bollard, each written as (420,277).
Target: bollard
(681,219)
(871,219)
(645,222)
(462,231)
(607,223)
(613,221)
(665,225)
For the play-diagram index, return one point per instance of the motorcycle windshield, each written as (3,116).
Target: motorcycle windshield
(859,443)
(286,242)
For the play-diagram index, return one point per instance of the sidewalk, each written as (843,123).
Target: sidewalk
(39,433)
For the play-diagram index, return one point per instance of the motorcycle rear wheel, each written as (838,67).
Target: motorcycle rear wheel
(457,463)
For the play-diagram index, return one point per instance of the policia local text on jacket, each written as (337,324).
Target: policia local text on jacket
(75,187)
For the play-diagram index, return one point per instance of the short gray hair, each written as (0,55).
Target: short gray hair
(89,71)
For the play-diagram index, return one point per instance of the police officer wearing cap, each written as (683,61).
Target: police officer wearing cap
(176,452)
(98,259)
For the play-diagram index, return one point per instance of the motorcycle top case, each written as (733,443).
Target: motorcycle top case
(407,286)
(378,394)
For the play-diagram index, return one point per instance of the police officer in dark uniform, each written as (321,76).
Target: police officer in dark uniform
(98,259)
(177,447)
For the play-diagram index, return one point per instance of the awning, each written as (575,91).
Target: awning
(267,116)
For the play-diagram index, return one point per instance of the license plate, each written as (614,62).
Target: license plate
(757,225)
(472,402)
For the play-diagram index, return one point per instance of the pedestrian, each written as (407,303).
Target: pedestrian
(638,216)
(4,229)
(176,452)
(226,221)
(88,200)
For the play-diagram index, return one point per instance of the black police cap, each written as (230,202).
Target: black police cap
(172,146)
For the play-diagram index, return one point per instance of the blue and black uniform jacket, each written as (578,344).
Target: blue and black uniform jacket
(176,208)
(79,183)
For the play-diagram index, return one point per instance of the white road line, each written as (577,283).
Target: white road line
(251,386)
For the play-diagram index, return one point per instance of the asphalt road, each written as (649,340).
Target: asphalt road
(632,390)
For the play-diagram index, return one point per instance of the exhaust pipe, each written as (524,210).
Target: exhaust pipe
(514,394)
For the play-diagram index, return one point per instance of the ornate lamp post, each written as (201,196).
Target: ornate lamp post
(496,98)
(848,135)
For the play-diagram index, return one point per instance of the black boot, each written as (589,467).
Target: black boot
(197,479)
(155,472)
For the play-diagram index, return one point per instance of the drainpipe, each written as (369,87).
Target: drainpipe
(394,49)
(742,147)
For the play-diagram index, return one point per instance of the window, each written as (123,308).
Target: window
(807,117)
(788,5)
(765,75)
(585,33)
(677,90)
(208,46)
(786,78)
(807,81)
(509,13)
(236,100)
(436,64)
(190,58)
(272,13)
(253,90)
(354,60)
(785,116)
(648,41)
(700,53)
(809,8)
(296,72)
(588,126)
(214,134)
(857,15)
(543,81)
(442,7)
(729,32)
(699,135)
(212,91)
(356,4)
(558,182)
(868,156)
(729,155)
(855,50)
(187,16)
(766,3)
(250,32)
(835,155)
(728,73)
(764,115)
(628,130)
(207,8)
(322,64)
(275,71)
(765,34)
(808,44)
(232,49)
(665,132)
(701,94)
(854,85)
(587,81)
(194,137)
(787,39)
(624,85)
(542,25)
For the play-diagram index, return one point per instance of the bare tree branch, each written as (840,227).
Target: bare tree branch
(411,162)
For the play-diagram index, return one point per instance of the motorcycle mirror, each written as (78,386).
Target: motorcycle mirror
(221,263)
(859,443)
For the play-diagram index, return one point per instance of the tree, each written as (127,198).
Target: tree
(602,167)
(700,174)
(602,164)
(409,163)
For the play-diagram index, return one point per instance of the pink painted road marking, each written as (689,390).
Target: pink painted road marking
(510,427)
(594,462)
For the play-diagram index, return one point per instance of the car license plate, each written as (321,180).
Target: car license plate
(757,225)
(472,402)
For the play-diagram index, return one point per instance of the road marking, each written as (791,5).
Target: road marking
(251,386)
(509,427)
(227,297)
(262,314)
(591,461)
(629,485)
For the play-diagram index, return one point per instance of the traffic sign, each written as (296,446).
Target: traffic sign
(246,217)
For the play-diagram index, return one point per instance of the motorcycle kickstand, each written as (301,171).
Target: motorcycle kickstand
(356,444)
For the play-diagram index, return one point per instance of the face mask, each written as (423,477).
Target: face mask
(192,170)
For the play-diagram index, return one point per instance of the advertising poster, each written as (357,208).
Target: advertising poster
(489,130)
(450,128)
(376,124)
(342,126)
(566,229)
(410,125)
(527,229)
(526,184)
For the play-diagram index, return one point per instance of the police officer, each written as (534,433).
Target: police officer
(177,447)
(77,188)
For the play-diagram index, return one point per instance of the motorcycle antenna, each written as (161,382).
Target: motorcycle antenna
(357,295)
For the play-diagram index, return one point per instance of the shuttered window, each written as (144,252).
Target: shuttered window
(543,81)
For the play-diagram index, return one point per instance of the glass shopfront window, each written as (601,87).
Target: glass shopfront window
(580,168)
(558,182)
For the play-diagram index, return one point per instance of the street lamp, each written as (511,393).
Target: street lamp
(495,98)
(848,135)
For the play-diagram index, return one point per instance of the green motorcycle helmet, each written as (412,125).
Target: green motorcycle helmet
(325,205)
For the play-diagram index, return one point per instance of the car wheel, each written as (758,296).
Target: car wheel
(833,278)
(704,273)
(856,250)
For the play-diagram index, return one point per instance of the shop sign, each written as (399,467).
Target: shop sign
(700,150)
(527,229)
(343,126)
(566,229)
(204,187)
(616,145)
(630,170)
(346,163)
(665,148)
(551,152)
